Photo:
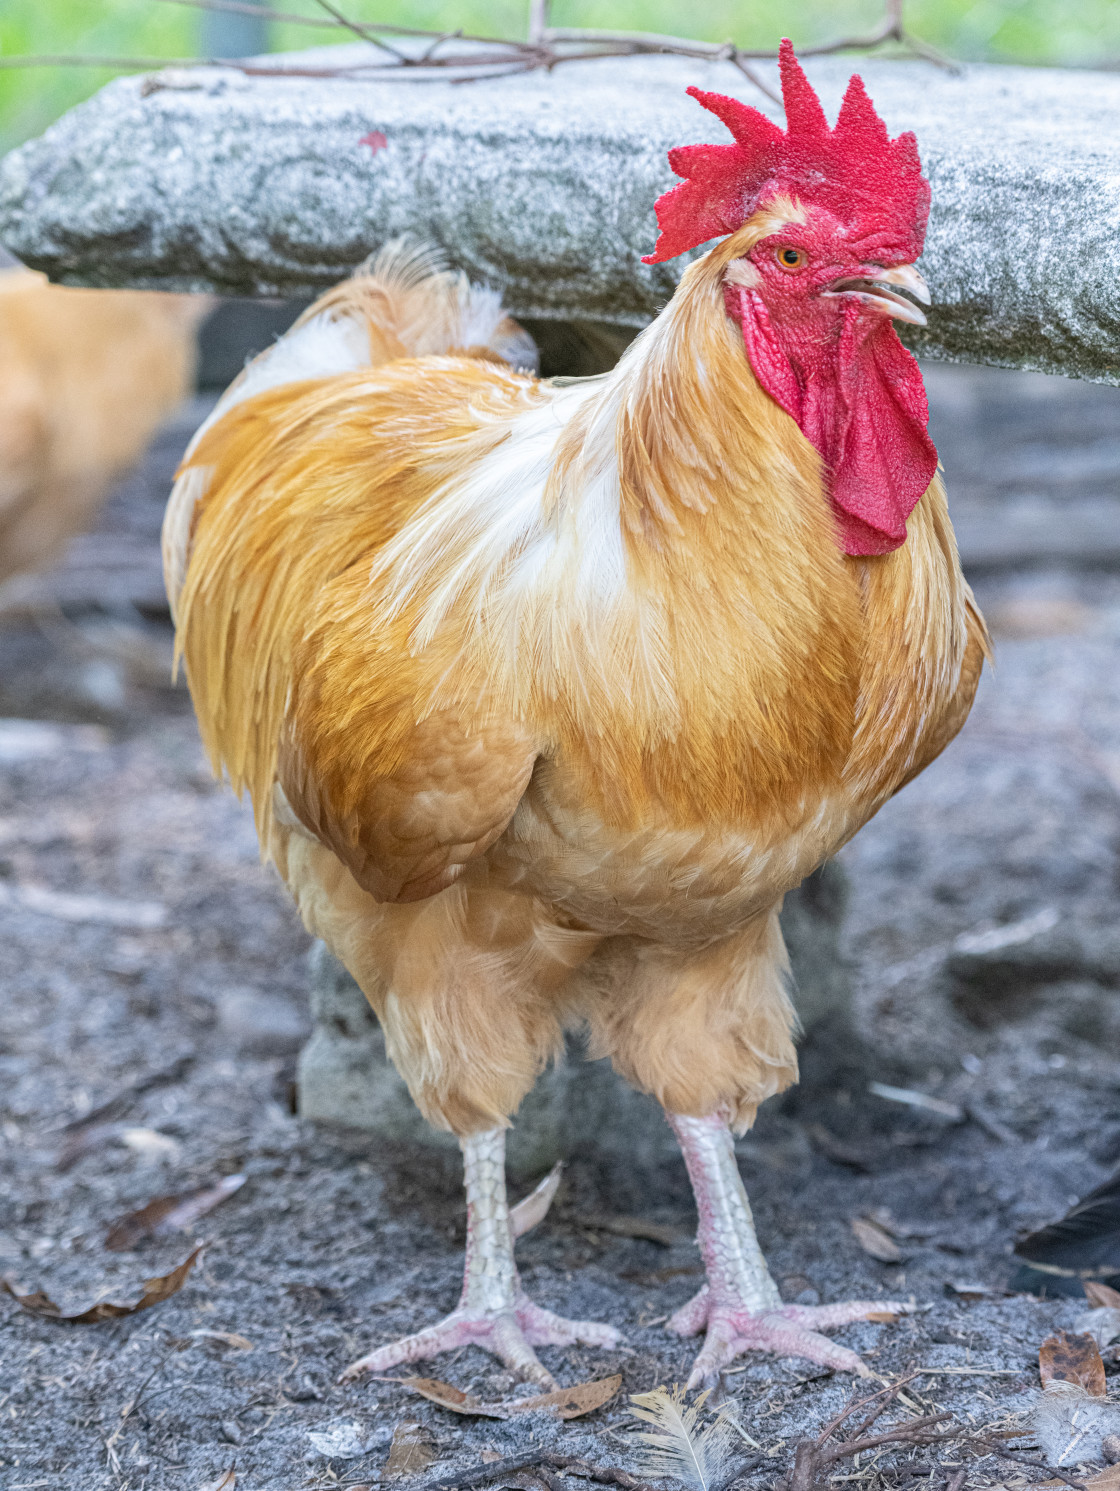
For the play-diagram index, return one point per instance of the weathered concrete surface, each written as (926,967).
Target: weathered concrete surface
(545,185)
(578,1106)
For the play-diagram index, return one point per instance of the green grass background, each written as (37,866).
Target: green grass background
(1072,33)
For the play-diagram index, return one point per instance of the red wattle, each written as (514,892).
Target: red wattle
(861,403)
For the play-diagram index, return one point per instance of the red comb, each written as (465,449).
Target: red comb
(855,170)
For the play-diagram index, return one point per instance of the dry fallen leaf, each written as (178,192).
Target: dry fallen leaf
(882,1317)
(156,1290)
(573,1402)
(532,1209)
(972,1292)
(1100,1296)
(854,1156)
(568,1402)
(224,1482)
(875,1240)
(454,1399)
(225,1338)
(410,1452)
(168,1214)
(1102,1323)
(1069,1358)
(344,1439)
(84,1141)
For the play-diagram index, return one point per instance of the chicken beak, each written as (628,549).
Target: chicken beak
(906,277)
(873,290)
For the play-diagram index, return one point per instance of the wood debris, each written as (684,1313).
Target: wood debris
(910,1098)
(224,1338)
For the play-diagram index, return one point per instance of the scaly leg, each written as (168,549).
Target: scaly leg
(493,1312)
(740,1304)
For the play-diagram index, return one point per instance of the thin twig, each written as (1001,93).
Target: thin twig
(605,1475)
(533,1459)
(117,1106)
(913,1432)
(289,17)
(430,51)
(1003,1454)
(463,1480)
(538,22)
(363,33)
(888,1394)
(546,48)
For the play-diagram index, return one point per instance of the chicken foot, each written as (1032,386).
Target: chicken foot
(740,1305)
(493,1312)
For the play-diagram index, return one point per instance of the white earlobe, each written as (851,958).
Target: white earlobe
(742,272)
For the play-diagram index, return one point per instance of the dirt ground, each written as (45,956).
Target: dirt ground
(149,963)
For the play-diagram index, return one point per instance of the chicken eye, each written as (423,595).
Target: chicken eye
(791,258)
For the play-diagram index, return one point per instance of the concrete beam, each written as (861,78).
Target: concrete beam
(545,185)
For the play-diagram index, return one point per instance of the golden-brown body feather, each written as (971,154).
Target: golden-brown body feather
(545,695)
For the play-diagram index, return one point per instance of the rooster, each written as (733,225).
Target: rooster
(86,376)
(545,693)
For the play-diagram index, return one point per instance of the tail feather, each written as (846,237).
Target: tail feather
(402,302)
(409,297)
(413,305)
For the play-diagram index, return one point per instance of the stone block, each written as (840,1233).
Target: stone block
(544,184)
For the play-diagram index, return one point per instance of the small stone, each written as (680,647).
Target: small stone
(1110,1448)
(231,1431)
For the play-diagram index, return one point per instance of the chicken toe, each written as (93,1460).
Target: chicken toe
(740,1307)
(493,1312)
(509,1333)
(788,1330)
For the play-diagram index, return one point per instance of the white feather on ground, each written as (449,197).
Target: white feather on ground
(679,1447)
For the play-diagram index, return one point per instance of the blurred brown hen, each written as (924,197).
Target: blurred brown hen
(86,376)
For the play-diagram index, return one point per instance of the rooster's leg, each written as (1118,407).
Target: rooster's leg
(493,1312)
(740,1305)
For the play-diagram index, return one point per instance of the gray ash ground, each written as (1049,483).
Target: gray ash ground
(335,1243)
